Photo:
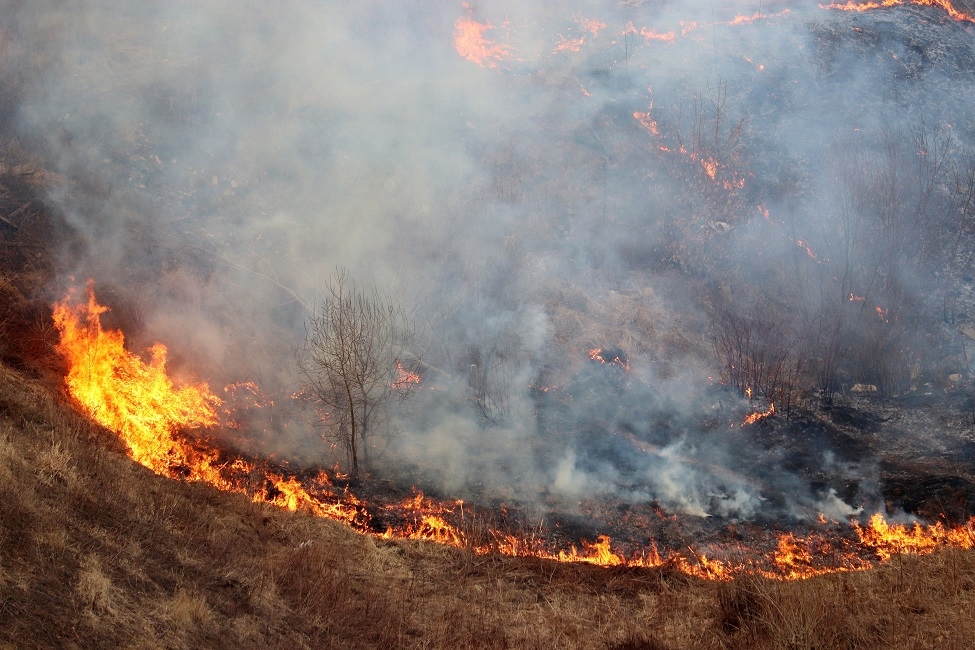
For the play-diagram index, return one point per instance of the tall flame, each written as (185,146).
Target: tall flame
(134,398)
(141,404)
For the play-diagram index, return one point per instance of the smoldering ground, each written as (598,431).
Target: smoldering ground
(647,177)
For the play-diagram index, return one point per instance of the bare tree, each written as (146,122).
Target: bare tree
(756,349)
(357,357)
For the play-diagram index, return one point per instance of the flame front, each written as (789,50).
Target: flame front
(946,5)
(888,540)
(757,416)
(142,405)
(138,400)
(120,391)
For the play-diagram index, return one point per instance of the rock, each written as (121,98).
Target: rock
(863,388)
(969,331)
(955,378)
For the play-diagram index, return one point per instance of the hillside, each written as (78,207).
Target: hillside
(97,552)
(693,278)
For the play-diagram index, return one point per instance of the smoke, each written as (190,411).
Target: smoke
(218,160)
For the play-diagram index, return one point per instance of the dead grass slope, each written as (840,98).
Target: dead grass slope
(96,552)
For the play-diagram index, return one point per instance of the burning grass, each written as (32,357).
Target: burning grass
(140,402)
(97,552)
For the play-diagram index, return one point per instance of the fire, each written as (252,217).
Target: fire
(574,44)
(598,552)
(710,167)
(708,163)
(405,379)
(759,415)
(569,45)
(647,122)
(703,567)
(597,354)
(646,118)
(888,540)
(742,20)
(803,245)
(471,43)
(141,403)
(791,553)
(120,391)
(946,5)
(649,34)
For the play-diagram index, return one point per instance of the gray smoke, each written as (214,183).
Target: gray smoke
(218,160)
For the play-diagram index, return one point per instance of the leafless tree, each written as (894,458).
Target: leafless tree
(358,356)
(756,349)
(491,383)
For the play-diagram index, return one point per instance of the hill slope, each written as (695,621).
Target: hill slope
(97,552)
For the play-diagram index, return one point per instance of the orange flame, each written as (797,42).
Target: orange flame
(120,391)
(647,121)
(946,5)
(471,43)
(759,415)
(649,34)
(140,402)
(742,20)
(405,378)
(888,540)
(710,167)
(574,44)
(596,354)
(805,246)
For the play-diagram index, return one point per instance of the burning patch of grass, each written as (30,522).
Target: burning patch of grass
(98,552)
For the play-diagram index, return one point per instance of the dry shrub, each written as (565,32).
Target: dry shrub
(150,562)
(740,607)
(94,588)
(639,642)
(333,584)
(815,614)
(312,581)
(56,465)
(188,610)
(18,519)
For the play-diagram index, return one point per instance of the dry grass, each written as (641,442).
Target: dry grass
(96,552)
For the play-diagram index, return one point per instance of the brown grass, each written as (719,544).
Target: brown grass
(96,552)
